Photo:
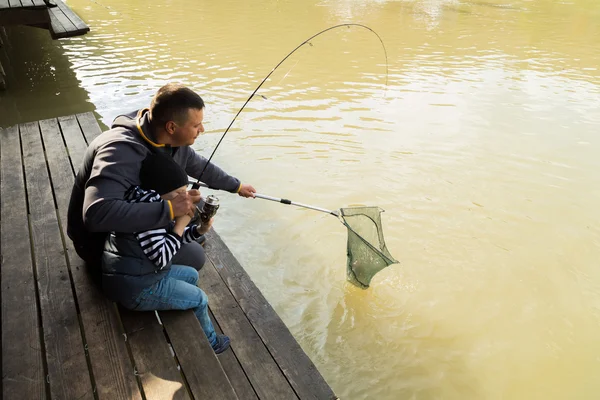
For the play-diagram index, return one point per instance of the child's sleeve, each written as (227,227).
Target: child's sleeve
(190,234)
(159,245)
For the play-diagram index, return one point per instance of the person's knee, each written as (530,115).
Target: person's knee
(194,276)
(203,301)
(191,254)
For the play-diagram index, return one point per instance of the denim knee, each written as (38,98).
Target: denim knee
(203,299)
(194,276)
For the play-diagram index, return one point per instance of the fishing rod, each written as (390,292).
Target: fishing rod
(348,25)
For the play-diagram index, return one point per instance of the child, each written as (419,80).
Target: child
(136,268)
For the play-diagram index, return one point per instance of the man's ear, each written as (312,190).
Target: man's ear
(170,127)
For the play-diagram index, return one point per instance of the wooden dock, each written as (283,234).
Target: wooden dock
(62,339)
(60,21)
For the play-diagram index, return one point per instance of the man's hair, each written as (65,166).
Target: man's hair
(172,102)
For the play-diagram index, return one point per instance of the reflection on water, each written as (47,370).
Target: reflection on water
(481,149)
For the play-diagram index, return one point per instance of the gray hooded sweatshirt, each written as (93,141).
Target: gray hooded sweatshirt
(111,165)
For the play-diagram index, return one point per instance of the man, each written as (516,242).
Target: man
(111,166)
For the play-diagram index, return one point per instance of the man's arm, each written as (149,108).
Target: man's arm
(115,169)
(213,176)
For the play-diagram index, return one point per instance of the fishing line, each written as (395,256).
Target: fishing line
(307,41)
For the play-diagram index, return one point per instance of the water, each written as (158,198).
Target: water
(481,149)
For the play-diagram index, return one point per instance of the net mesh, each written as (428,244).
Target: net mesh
(367,253)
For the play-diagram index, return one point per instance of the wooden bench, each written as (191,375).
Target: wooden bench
(62,339)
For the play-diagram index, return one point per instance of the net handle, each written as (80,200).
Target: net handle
(293,203)
(280,200)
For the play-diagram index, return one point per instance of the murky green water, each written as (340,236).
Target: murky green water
(482,150)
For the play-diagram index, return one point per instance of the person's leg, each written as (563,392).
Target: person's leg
(191,254)
(171,293)
(184,273)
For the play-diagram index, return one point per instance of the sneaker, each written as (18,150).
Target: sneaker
(222,344)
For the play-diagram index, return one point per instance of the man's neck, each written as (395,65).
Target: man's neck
(160,136)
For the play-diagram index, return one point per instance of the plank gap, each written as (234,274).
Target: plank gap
(257,334)
(79,318)
(235,357)
(130,353)
(24,179)
(186,384)
(37,297)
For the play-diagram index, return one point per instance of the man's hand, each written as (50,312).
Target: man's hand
(182,204)
(202,229)
(194,195)
(247,191)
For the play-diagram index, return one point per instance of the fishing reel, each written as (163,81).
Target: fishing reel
(207,210)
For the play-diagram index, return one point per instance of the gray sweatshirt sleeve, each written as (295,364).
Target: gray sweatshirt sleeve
(115,169)
(214,176)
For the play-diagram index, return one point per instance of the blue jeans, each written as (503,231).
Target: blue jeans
(178,291)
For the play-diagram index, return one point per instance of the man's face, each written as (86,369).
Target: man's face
(186,133)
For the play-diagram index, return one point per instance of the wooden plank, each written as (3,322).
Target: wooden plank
(89,126)
(67,366)
(198,361)
(112,369)
(66,26)
(2,75)
(26,3)
(15,3)
(64,22)
(4,4)
(56,27)
(306,380)
(23,375)
(73,137)
(155,364)
(39,3)
(233,370)
(74,18)
(259,366)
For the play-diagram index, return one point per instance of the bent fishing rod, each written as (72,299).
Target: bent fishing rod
(196,185)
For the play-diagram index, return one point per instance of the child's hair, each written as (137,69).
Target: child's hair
(162,174)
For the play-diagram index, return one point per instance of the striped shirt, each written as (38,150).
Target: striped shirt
(159,245)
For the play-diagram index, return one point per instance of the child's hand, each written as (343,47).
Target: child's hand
(184,219)
(202,229)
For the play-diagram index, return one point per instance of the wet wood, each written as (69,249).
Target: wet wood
(67,366)
(74,139)
(23,375)
(233,369)
(111,366)
(256,361)
(75,20)
(89,126)
(154,361)
(199,364)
